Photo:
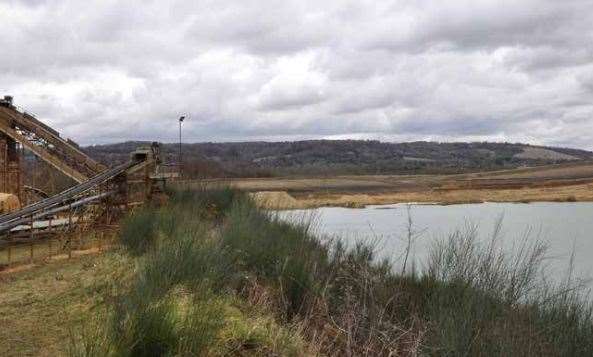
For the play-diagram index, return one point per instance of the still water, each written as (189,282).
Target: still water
(565,227)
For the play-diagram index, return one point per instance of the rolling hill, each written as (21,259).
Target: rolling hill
(330,157)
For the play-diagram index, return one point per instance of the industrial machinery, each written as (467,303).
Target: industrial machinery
(99,195)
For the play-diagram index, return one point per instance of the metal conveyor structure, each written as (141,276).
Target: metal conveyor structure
(46,143)
(97,187)
(70,198)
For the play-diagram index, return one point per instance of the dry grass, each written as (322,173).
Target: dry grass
(40,307)
(43,251)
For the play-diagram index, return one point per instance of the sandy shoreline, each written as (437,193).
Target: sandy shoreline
(571,182)
(286,200)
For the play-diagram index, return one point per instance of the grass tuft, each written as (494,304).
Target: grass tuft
(139,231)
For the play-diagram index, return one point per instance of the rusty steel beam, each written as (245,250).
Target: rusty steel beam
(43,154)
(60,153)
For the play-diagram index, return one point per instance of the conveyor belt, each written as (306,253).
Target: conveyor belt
(47,144)
(58,208)
(10,220)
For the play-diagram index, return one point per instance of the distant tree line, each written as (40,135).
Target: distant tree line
(331,157)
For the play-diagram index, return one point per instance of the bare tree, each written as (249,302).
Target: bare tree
(411,235)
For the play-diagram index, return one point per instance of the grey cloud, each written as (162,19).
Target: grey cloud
(586,81)
(491,24)
(457,126)
(298,99)
(104,71)
(548,57)
(29,2)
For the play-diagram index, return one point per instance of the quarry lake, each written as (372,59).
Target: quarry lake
(565,227)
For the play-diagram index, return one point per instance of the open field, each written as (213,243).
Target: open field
(564,182)
(41,307)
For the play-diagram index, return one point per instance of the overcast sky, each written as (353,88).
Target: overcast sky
(107,71)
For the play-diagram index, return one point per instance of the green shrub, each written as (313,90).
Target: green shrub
(210,202)
(179,323)
(188,258)
(206,246)
(284,253)
(492,302)
(139,231)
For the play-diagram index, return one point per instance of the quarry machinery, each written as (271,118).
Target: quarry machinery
(46,143)
(99,192)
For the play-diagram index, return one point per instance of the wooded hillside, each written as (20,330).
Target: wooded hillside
(325,157)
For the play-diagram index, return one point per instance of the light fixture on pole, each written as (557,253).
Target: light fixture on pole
(180,163)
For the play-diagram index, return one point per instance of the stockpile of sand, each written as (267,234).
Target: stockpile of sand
(8,203)
(274,200)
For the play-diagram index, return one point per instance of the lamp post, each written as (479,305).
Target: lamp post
(181,119)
